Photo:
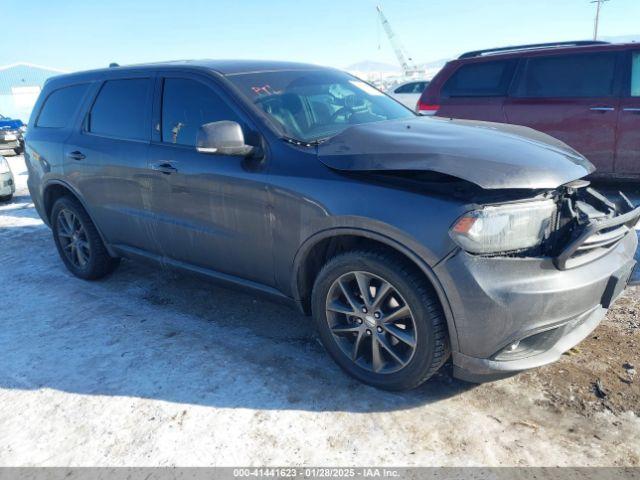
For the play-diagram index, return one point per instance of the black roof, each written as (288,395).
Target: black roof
(222,67)
(231,67)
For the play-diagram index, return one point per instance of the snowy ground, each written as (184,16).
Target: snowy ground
(155,368)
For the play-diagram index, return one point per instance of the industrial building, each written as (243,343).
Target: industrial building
(20,85)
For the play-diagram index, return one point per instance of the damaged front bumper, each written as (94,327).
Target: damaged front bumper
(568,335)
(516,313)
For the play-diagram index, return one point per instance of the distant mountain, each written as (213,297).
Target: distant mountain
(434,64)
(372,66)
(622,39)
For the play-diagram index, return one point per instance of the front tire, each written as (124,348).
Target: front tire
(380,319)
(6,198)
(78,241)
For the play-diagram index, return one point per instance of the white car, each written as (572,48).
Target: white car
(7,184)
(408,93)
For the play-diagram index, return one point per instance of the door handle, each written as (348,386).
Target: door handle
(632,110)
(602,109)
(76,155)
(164,167)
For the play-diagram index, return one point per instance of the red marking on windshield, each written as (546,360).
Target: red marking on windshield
(263,90)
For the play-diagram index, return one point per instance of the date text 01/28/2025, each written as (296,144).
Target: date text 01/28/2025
(317,472)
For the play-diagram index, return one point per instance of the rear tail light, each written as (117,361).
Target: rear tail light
(426,108)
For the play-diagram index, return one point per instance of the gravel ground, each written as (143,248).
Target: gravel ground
(157,368)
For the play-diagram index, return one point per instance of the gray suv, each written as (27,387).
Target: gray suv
(409,240)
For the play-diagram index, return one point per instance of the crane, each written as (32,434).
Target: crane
(405,62)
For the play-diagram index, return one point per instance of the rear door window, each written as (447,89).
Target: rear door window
(562,76)
(121,110)
(485,79)
(186,106)
(60,105)
(635,74)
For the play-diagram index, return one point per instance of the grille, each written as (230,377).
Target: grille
(596,239)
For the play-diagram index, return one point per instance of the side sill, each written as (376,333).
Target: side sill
(219,278)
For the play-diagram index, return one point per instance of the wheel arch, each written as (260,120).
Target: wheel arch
(55,189)
(322,246)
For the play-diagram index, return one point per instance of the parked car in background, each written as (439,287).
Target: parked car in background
(586,94)
(11,134)
(408,239)
(408,93)
(7,182)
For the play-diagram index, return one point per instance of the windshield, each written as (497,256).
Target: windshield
(317,104)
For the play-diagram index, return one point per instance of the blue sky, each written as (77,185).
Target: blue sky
(80,34)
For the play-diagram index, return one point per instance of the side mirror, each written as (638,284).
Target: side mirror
(222,138)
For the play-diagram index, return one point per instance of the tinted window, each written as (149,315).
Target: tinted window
(486,79)
(186,106)
(586,75)
(60,106)
(415,87)
(635,75)
(121,109)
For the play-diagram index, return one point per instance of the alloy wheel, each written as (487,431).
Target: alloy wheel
(371,322)
(73,238)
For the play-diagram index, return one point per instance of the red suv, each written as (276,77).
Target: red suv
(585,93)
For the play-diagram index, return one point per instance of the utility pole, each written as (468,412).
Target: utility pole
(597,20)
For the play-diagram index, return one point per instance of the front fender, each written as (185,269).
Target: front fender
(404,245)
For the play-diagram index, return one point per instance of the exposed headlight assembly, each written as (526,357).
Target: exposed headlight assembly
(504,228)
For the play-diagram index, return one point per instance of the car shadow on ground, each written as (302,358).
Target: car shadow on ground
(149,332)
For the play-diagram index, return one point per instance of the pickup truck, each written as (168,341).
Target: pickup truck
(11,134)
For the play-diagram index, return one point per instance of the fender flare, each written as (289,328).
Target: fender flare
(303,252)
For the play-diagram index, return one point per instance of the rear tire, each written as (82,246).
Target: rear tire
(396,337)
(78,242)
(6,198)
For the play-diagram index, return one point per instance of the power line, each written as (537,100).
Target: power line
(597,20)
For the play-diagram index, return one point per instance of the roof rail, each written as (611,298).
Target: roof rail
(532,46)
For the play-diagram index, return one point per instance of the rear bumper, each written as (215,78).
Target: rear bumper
(9,145)
(513,314)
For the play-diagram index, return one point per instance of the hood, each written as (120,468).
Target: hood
(491,155)
(10,124)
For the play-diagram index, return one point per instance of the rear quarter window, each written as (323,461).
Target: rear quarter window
(485,79)
(59,107)
(562,76)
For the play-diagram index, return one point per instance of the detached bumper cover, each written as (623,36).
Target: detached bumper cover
(512,314)
(481,370)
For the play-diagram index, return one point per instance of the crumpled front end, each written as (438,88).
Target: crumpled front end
(518,310)
(493,156)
